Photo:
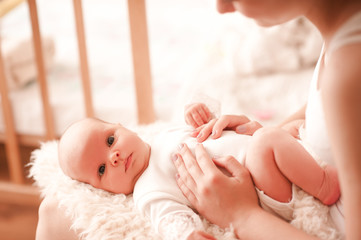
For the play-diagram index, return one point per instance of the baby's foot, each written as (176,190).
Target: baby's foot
(330,189)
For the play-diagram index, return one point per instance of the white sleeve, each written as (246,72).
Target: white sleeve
(171,219)
(179,226)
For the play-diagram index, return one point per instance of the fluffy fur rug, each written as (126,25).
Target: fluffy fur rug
(102,215)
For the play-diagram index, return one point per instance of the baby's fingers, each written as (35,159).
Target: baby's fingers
(198,118)
(190,121)
(204,113)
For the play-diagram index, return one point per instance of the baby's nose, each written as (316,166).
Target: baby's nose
(115,158)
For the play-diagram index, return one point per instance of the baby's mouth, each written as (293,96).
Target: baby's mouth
(128,162)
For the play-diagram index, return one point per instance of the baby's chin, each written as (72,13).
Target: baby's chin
(116,191)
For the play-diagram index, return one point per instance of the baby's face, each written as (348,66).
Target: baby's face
(105,155)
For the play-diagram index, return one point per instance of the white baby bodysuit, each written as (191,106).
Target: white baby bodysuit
(156,194)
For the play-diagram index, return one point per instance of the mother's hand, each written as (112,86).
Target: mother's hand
(220,198)
(214,128)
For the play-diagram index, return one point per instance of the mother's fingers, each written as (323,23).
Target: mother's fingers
(189,161)
(184,178)
(228,122)
(231,164)
(248,128)
(187,192)
(204,160)
(206,130)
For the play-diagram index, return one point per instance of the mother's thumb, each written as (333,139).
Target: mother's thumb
(231,164)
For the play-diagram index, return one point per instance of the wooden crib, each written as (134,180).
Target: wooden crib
(15,189)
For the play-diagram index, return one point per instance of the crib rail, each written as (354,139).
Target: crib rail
(11,141)
(84,68)
(142,81)
(39,58)
(141,62)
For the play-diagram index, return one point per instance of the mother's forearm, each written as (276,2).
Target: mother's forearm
(259,224)
(53,223)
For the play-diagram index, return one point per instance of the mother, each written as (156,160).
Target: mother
(332,129)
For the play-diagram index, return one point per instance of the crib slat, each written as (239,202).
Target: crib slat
(141,61)
(11,141)
(48,115)
(83,58)
(19,194)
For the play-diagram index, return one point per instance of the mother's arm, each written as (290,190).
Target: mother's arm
(53,223)
(228,201)
(341,95)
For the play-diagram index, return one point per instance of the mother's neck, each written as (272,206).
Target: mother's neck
(329,15)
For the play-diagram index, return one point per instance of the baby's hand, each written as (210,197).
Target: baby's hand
(199,235)
(197,114)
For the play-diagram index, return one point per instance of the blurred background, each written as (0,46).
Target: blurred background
(196,55)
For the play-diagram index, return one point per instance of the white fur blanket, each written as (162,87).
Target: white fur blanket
(101,215)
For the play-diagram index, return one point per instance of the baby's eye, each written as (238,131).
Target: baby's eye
(110,140)
(101,170)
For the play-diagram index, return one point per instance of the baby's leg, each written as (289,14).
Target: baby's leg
(265,173)
(275,159)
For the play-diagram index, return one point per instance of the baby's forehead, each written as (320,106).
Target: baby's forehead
(90,123)
(85,129)
(74,142)
(81,136)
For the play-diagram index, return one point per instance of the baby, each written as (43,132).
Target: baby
(111,157)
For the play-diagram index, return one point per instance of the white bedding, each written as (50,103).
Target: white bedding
(261,72)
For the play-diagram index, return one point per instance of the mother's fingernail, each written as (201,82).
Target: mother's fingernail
(174,157)
(194,133)
(241,129)
(180,146)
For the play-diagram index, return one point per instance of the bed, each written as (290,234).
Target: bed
(189,58)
